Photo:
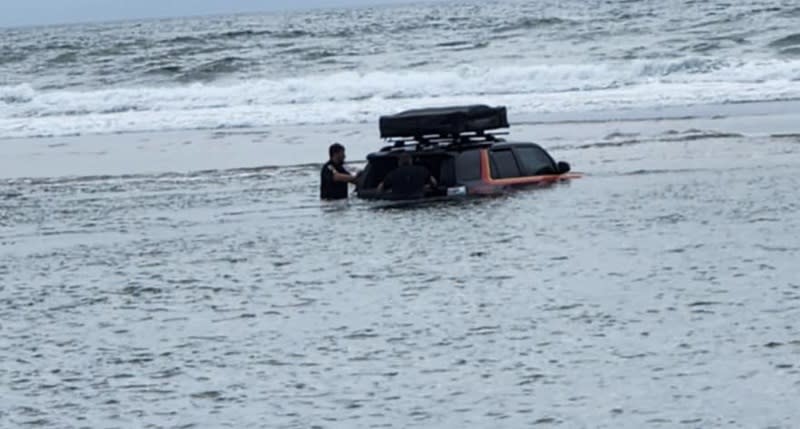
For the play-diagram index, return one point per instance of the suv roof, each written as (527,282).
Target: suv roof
(394,150)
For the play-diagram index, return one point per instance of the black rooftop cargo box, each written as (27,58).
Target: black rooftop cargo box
(443,121)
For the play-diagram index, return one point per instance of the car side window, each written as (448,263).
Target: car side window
(504,165)
(534,161)
(468,166)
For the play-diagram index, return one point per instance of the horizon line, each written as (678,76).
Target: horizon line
(279,10)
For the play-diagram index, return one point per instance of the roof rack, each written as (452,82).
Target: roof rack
(442,123)
(444,141)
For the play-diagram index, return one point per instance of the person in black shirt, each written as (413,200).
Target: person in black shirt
(334,177)
(407,180)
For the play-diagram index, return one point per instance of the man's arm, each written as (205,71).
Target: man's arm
(341,177)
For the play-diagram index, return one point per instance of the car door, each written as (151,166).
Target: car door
(468,166)
(504,164)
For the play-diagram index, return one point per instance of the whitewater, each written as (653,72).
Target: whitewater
(350,66)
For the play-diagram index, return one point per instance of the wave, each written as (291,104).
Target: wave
(9,56)
(244,33)
(791,13)
(212,69)
(624,139)
(65,58)
(233,35)
(61,46)
(173,177)
(169,70)
(693,135)
(665,171)
(181,40)
(791,52)
(530,23)
(17,94)
(785,42)
(795,136)
(348,97)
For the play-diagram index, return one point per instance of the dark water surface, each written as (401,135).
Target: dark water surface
(659,291)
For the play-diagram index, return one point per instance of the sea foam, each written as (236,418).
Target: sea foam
(352,97)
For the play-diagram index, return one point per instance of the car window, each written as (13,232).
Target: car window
(534,161)
(468,166)
(503,164)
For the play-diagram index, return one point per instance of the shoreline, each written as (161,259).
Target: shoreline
(200,150)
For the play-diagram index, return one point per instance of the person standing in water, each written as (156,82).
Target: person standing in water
(334,177)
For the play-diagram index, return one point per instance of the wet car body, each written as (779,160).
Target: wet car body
(455,147)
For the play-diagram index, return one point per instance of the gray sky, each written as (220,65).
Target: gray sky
(35,12)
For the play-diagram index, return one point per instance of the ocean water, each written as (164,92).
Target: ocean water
(660,290)
(351,65)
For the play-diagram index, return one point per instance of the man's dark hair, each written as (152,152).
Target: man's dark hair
(334,149)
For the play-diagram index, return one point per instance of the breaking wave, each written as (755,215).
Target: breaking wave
(345,97)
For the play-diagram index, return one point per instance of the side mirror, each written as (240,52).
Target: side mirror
(563,167)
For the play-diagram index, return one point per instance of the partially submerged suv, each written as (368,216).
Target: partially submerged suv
(454,145)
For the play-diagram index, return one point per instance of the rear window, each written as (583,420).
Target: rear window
(503,164)
(468,166)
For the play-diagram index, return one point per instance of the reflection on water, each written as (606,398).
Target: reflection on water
(662,298)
